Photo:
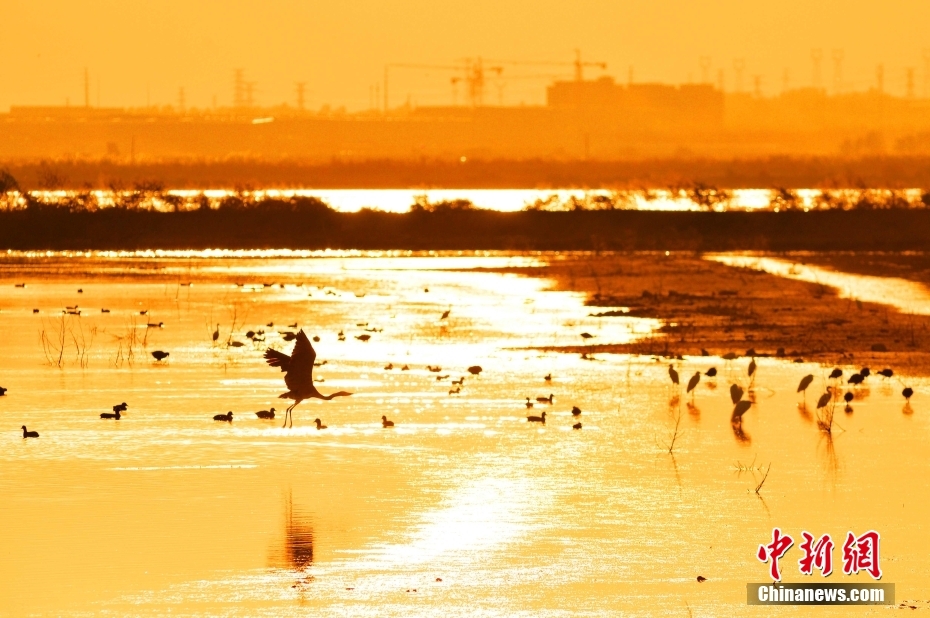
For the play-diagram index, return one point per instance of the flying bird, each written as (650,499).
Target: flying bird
(298,370)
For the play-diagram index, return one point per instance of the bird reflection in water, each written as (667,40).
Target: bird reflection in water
(736,424)
(296,553)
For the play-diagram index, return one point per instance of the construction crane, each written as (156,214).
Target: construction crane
(578,64)
(474,76)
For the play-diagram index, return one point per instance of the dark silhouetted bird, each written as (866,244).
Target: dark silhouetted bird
(805,382)
(114,415)
(536,419)
(886,373)
(855,379)
(29,434)
(216,333)
(298,368)
(741,408)
(159,355)
(445,314)
(908,392)
(224,417)
(265,413)
(701,579)
(711,373)
(576,411)
(673,374)
(548,377)
(386,423)
(736,393)
(576,426)
(824,400)
(865,372)
(529,404)
(693,382)
(120,407)
(548,399)
(363,337)
(475,370)
(586,335)
(848,397)
(389,367)
(319,424)
(3,391)
(836,373)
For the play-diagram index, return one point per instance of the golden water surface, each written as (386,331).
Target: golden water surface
(463,508)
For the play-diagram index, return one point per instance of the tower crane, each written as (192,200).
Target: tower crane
(474,76)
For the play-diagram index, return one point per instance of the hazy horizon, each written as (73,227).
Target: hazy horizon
(139,54)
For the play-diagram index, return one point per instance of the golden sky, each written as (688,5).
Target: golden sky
(146,50)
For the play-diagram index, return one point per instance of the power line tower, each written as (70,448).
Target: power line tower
(300,94)
(838,55)
(927,72)
(816,57)
(704,62)
(239,88)
(738,65)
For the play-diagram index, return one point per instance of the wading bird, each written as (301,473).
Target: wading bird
(298,374)
(216,333)
(536,419)
(673,374)
(855,379)
(908,392)
(886,373)
(848,397)
(805,382)
(224,417)
(711,373)
(29,434)
(386,423)
(693,382)
(836,373)
(319,424)
(865,372)
(160,356)
(265,413)
(114,415)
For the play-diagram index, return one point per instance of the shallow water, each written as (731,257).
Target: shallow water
(167,511)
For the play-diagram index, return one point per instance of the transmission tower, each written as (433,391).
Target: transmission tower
(816,57)
(704,61)
(738,65)
(837,71)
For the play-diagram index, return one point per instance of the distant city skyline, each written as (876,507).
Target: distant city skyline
(185,54)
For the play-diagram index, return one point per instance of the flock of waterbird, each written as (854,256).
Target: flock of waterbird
(298,377)
(831,391)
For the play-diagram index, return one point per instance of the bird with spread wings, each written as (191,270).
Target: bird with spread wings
(298,374)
